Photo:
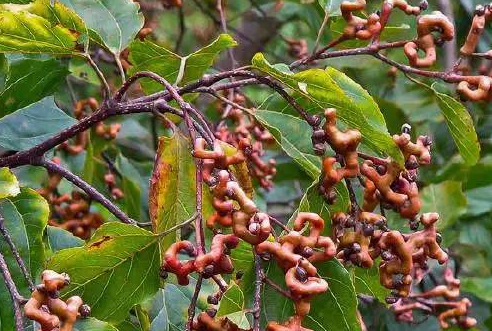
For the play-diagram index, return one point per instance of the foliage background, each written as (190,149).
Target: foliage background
(460,192)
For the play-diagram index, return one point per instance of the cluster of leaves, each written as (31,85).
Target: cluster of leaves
(46,61)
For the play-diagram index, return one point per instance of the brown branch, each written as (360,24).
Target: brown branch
(257,296)
(277,288)
(15,252)
(92,192)
(194,299)
(14,294)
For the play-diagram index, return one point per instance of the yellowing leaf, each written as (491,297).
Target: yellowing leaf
(9,186)
(24,32)
(172,186)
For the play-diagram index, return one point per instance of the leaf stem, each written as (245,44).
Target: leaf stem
(178,226)
(99,74)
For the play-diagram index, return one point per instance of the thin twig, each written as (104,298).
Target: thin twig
(373,159)
(178,226)
(277,288)
(120,68)
(92,192)
(194,299)
(14,294)
(353,198)
(279,223)
(220,283)
(182,29)
(100,75)
(257,296)
(16,254)
(223,23)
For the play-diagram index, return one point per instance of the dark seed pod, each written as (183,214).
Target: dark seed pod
(411,164)
(346,253)
(368,230)
(301,274)
(54,294)
(438,238)
(208,271)
(212,299)
(386,256)
(414,225)
(356,248)
(163,273)
(406,128)
(85,311)
(239,274)
(307,252)
(381,169)
(423,5)
(427,141)
(480,10)
(191,251)
(211,312)
(254,228)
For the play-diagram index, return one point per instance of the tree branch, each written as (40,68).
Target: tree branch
(257,296)
(16,254)
(14,294)
(194,299)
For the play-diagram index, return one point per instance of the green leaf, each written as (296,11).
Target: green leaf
(340,300)
(445,198)
(481,287)
(461,126)
(169,309)
(313,202)
(25,218)
(31,210)
(294,136)
(331,7)
(335,309)
(243,261)
(92,324)
(178,70)
(59,239)
(172,187)
(479,200)
(116,22)
(89,166)
(131,200)
(24,32)
(232,306)
(29,81)
(366,281)
(33,124)
(116,269)
(9,186)
(320,89)
(56,14)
